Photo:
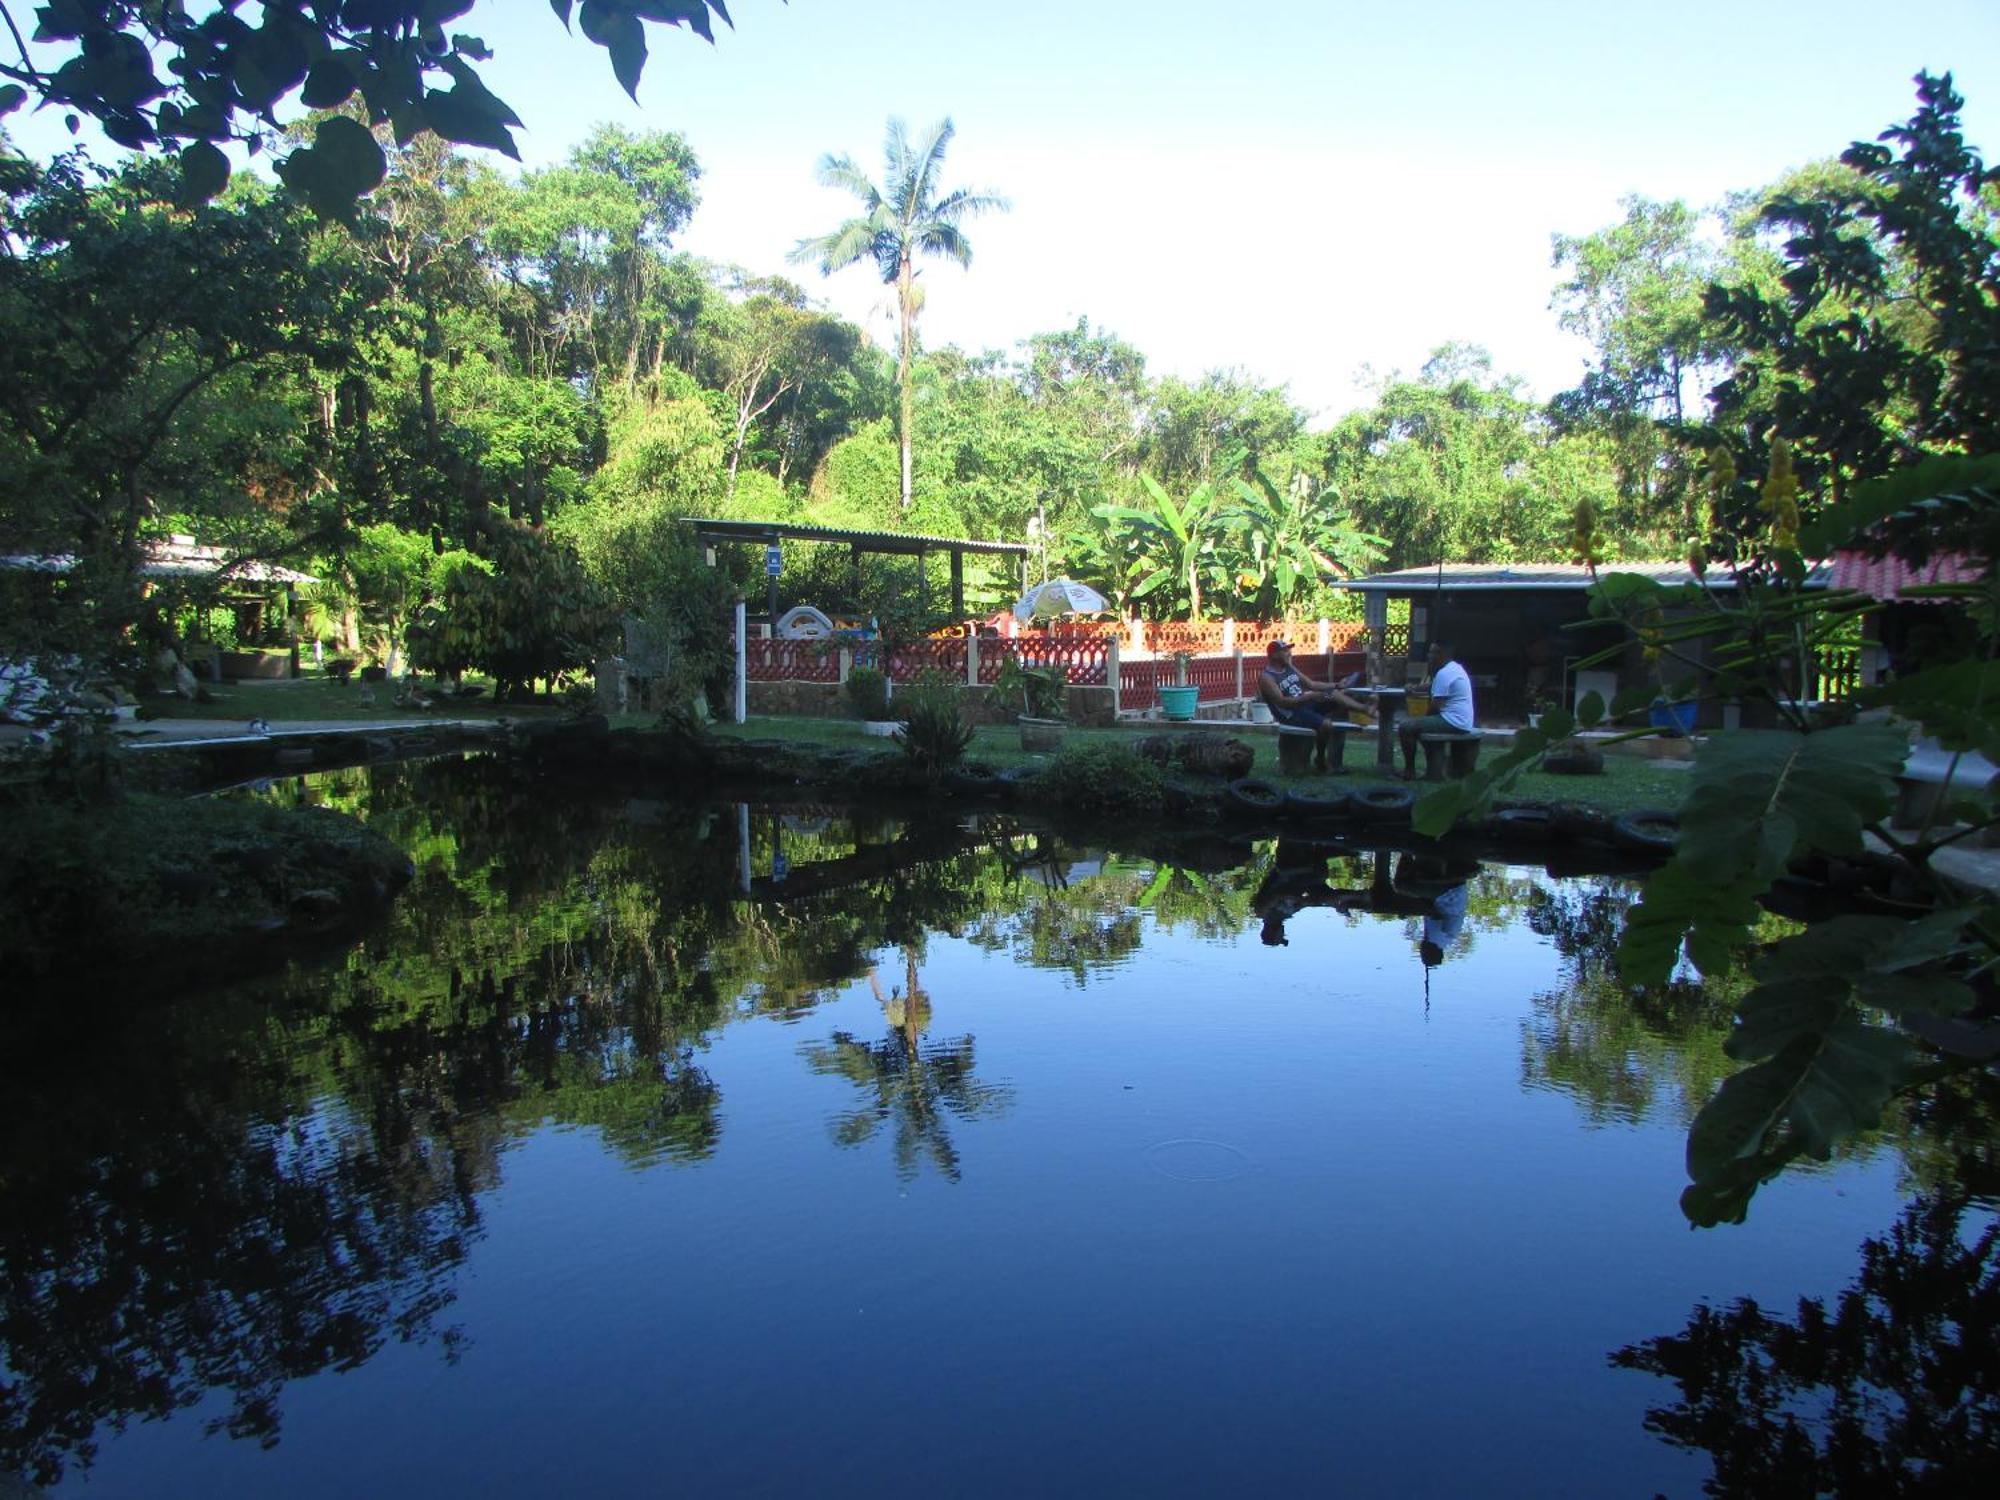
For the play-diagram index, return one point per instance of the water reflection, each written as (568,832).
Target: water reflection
(1891,1388)
(911,1085)
(284,1178)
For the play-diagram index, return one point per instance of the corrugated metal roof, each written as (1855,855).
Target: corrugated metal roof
(1886,577)
(1522,575)
(765,532)
(174,559)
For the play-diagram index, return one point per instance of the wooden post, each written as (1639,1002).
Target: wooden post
(742,663)
(1112,675)
(923,582)
(957,584)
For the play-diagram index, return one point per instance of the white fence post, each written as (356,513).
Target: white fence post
(972,660)
(1239,672)
(742,666)
(1325,636)
(1228,636)
(1111,671)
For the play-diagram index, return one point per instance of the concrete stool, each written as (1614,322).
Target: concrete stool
(1295,749)
(1459,749)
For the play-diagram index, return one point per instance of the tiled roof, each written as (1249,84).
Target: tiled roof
(1886,577)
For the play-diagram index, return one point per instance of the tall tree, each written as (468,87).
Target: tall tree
(899,221)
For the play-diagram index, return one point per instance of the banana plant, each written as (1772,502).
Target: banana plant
(1284,541)
(1176,546)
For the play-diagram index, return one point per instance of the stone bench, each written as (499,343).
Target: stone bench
(1456,749)
(1296,746)
(1930,775)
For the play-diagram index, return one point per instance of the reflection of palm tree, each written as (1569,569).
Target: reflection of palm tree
(907,1083)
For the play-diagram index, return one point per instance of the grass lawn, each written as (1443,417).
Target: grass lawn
(1629,781)
(316,696)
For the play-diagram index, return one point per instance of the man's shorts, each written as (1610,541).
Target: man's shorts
(1305,716)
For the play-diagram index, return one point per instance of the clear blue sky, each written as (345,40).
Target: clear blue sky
(1302,190)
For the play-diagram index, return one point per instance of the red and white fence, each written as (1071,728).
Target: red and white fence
(1225,669)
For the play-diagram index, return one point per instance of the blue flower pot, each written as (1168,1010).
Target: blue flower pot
(1178,702)
(1675,717)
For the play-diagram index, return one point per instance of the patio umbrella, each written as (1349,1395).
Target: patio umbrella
(1059,596)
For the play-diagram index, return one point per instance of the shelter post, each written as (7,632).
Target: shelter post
(957,584)
(923,582)
(742,663)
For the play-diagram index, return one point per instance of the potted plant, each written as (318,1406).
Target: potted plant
(867,691)
(1178,698)
(1042,692)
(1541,700)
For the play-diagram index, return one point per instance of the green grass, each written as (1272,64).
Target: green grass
(1629,782)
(315,696)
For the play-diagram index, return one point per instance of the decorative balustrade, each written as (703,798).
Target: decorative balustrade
(791,661)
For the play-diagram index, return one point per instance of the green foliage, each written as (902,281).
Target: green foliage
(935,732)
(152,76)
(1043,691)
(1757,800)
(867,693)
(537,614)
(1102,781)
(1820,1068)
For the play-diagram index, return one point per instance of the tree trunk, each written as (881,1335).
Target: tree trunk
(905,291)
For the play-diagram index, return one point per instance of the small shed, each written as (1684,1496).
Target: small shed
(1511,626)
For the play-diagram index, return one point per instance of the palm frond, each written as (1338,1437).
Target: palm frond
(841,172)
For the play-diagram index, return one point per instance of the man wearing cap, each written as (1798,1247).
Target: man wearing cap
(1296,700)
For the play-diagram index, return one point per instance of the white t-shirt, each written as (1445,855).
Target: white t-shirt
(1451,695)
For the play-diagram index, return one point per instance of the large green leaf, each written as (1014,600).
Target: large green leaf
(1959,703)
(1757,800)
(1825,1085)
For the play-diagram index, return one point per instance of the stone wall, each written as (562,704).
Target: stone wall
(826,700)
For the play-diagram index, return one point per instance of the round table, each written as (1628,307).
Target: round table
(1387,701)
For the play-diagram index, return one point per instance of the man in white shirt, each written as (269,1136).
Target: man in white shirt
(1451,706)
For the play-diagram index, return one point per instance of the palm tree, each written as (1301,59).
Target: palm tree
(901,220)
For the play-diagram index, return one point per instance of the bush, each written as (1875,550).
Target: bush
(1102,779)
(1042,692)
(868,693)
(935,733)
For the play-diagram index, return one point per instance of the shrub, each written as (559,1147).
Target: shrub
(1042,691)
(868,693)
(935,733)
(1102,779)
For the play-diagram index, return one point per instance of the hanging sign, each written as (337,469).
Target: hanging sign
(774,560)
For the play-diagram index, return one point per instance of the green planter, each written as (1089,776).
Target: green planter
(1178,702)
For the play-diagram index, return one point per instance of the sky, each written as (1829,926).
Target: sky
(1316,193)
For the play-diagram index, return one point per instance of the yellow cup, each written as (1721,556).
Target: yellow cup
(1417,703)
(1358,717)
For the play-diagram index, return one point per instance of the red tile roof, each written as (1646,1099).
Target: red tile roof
(1887,577)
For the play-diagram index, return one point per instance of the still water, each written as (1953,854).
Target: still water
(655,1148)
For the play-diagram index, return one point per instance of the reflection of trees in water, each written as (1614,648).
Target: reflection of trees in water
(1622,1056)
(175,1220)
(910,1085)
(1893,1390)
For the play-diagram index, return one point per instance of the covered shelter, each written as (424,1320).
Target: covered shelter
(254,589)
(1519,628)
(709,533)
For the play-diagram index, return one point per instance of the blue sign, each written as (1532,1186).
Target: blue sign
(780,867)
(774,560)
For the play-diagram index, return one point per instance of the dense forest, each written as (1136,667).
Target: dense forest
(476,405)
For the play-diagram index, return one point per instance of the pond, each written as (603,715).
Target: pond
(654,1145)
